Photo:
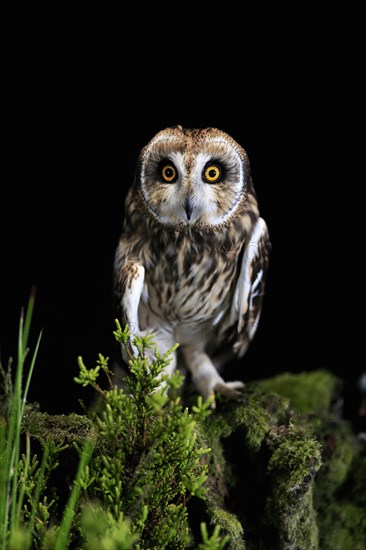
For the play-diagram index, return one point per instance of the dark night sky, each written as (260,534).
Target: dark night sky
(75,129)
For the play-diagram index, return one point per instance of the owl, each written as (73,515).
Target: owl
(191,262)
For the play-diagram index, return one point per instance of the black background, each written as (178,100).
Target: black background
(77,116)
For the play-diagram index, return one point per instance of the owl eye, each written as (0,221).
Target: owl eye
(212,173)
(169,173)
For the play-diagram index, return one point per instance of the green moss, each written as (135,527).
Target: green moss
(253,419)
(355,487)
(296,457)
(219,473)
(270,446)
(230,526)
(343,527)
(340,495)
(338,451)
(294,520)
(308,392)
(258,415)
(294,462)
(59,427)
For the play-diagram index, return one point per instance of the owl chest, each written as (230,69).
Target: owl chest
(191,286)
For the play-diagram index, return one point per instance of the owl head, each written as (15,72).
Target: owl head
(191,177)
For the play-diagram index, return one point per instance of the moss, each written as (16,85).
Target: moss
(343,527)
(339,447)
(230,526)
(355,486)
(283,472)
(294,520)
(337,492)
(219,473)
(340,496)
(274,452)
(262,442)
(294,462)
(59,427)
(295,459)
(308,392)
(254,418)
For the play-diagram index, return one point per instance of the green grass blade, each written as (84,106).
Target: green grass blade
(11,495)
(13,449)
(30,373)
(28,318)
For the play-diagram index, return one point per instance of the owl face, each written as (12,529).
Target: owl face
(192,177)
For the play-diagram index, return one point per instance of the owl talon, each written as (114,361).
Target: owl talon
(230,390)
(211,398)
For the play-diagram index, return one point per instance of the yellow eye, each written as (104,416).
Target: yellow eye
(169,173)
(212,173)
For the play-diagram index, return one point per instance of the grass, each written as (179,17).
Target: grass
(16,469)
(11,491)
(14,532)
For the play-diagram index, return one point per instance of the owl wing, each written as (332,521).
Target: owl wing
(129,276)
(240,326)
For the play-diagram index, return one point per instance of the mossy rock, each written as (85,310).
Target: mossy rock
(269,461)
(282,456)
(285,472)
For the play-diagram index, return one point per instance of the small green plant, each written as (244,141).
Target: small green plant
(148,463)
(215,542)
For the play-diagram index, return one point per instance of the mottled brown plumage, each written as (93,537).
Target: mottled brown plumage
(191,262)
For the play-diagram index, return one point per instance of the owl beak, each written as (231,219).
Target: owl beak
(188,207)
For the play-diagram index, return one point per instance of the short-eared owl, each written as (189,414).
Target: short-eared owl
(191,262)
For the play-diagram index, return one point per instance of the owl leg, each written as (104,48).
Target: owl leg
(205,376)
